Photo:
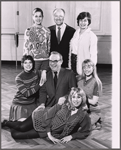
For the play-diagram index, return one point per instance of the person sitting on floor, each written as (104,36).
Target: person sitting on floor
(28,85)
(92,86)
(63,122)
(59,81)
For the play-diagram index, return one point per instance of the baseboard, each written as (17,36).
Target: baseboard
(106,66)
(103,66)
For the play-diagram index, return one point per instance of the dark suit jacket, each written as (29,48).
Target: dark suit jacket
(63,46)
(49,95)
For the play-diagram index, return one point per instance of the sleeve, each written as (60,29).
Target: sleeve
(96,92)
(49,115)
(93,48)
(26,43)
(49,37)
(84,129)
(24,90)
(27,47)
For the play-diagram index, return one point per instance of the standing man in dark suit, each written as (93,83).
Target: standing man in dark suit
(61,35)
(59,82)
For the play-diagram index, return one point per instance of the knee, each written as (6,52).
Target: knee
(14,134)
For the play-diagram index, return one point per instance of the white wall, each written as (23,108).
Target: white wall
(12,23)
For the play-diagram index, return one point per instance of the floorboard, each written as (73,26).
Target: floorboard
(98,139)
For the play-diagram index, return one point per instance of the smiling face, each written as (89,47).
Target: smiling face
(76,99)
(37,18)
(83,23)
(88,69)
(27,65)
(59,17)
(55,62)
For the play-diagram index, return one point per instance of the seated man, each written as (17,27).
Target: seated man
(59,81)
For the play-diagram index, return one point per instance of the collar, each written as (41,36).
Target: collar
(56,71)
(87,30)
(62,26)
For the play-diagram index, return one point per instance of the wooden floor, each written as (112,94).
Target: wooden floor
(101,139)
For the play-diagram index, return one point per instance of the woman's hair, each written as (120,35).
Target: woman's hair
(78,91)
(28,57)
(38,10)
(94,73)
(82,15)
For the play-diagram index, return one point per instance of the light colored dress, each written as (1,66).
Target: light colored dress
(84,46)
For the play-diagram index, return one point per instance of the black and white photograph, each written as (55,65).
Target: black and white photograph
(60,70)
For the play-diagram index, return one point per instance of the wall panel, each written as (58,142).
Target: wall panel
(11,23)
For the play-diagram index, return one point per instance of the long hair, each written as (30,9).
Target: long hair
(74,91)
(94,73)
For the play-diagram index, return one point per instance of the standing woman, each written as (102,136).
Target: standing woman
(28,85)
(37,42)
(83,45)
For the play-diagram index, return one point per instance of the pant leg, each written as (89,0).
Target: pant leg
(95,114)
(24,135)
(74,63)
(24,126)
(44,65)
(37,65)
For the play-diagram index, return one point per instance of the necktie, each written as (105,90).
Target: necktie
(59,34)
(55,78)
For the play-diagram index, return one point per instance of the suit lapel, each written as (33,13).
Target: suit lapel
(54,29)
(64,32)
(61,75)
(51,81)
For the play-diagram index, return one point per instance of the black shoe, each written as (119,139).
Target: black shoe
(3,124)
(99,120)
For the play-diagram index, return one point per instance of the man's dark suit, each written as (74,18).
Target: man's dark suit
(63,46)
(49,95)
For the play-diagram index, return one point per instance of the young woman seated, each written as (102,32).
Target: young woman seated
(28,84)
(92,86)
(63,122)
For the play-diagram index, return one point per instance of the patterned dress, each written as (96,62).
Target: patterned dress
(59,121)
(24,101)
(37,42)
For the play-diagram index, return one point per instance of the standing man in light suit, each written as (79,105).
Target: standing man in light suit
(61,35)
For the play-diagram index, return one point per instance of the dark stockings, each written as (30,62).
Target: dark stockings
(74,63)
(22,130)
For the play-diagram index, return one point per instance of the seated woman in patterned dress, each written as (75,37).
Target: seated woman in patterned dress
(63,122)
(92,87)
(28,85)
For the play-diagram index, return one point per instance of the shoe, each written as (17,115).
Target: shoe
(3,124)
(97,126)
(99,120)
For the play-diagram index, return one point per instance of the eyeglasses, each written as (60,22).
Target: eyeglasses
(58,17)
(54,61)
